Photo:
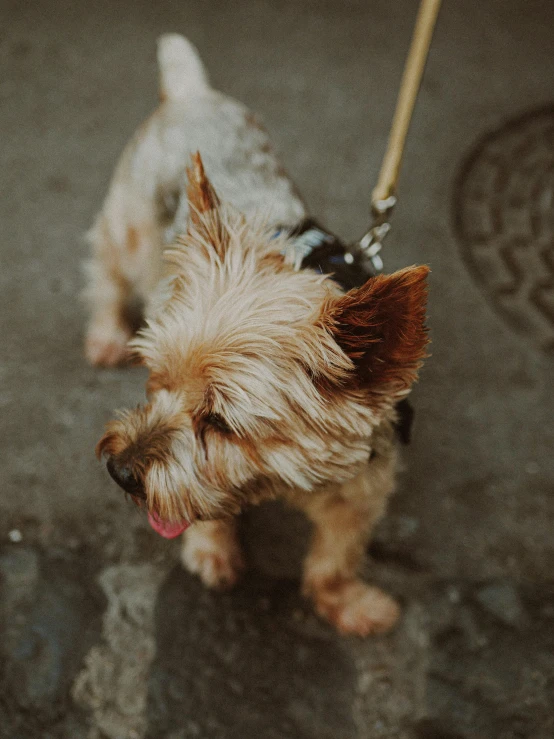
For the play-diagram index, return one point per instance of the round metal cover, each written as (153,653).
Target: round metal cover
(504,217)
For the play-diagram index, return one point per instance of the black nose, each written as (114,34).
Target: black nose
(122,473)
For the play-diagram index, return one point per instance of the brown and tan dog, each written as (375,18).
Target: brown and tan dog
(265,380)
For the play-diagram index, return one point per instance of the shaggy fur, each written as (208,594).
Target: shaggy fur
(264,381)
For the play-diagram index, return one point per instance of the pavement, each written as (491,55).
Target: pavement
(103,634)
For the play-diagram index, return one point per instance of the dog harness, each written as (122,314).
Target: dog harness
(319,249)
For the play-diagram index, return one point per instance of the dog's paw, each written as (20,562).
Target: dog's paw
(217,561)
(107,347)
(354,607)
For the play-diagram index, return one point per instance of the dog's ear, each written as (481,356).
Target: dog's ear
(200,192)
(381,328)
(204,205)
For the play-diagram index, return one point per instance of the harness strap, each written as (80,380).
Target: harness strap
(311,245)
(316,248)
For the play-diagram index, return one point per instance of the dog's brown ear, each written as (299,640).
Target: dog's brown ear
(381,327)
(204,204)
(200,192)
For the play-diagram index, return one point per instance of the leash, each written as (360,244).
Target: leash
(383,198)
(314,246)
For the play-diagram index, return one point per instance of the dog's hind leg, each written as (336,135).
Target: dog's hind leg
(128,236)
(124,265)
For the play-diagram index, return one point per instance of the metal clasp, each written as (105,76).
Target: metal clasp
(372,242)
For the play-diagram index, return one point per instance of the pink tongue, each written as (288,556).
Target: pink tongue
(165,528)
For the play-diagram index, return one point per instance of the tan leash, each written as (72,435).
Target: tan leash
(383,198)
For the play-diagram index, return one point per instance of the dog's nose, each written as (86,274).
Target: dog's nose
(122,473)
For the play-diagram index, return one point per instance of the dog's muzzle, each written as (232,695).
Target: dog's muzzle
(122,473)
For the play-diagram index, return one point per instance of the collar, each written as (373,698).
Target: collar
(319,249)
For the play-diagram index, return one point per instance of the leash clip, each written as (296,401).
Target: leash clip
(372,242)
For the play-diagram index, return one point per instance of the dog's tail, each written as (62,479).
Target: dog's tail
(182,74)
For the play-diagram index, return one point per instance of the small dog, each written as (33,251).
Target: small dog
(265,380)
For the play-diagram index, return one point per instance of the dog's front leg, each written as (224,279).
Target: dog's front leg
(343,522)
(212,551)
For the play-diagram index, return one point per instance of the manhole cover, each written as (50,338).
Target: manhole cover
(504,216)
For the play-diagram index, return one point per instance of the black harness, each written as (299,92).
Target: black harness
(322,251)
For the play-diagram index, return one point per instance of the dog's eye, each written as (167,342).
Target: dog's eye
(217,422)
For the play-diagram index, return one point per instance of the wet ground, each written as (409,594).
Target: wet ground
(103,634)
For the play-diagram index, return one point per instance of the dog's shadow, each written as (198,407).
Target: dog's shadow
(254,662)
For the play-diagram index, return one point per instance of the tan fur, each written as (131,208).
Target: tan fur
(211,551)
(264,381)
